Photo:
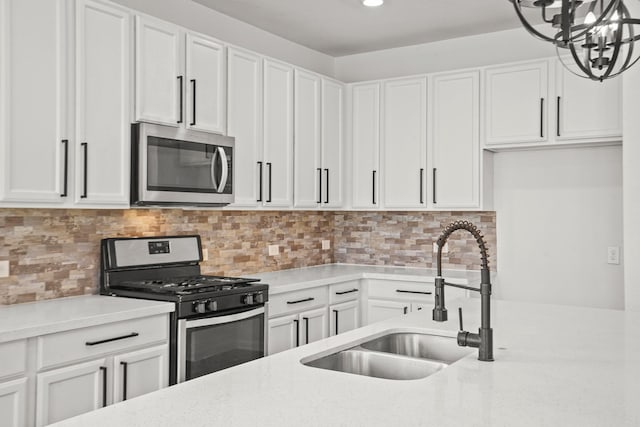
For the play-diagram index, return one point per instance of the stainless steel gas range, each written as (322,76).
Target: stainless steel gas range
(218,322)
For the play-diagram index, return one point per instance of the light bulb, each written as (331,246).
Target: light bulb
(589,19)
(372,3)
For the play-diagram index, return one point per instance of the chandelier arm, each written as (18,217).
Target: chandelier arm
(527,25)
(576,59)
(585,28)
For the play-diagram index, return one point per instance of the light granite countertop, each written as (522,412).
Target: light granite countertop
(555,366)
(320,275)
(45,317)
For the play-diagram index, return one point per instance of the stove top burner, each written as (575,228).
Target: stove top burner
(189,285)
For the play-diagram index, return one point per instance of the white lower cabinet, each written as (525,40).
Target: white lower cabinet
(13,402)
(298,329)
(73,390)
(378,310)
(140,372)
(344,317)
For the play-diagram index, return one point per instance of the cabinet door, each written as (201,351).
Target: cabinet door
(13,402)
(516,103)
(365,100)
(405,142)
(308,174)
(313,325)
(382,310)
(206,102)
(103,73)
(245,124)
(455,141)
(34,69)
(586,110)
(278,134)
(332,142)
(344,317)
(140,372)
(70,391)
(283,333)
(159,80)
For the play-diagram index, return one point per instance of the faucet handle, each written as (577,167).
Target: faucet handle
(460,318)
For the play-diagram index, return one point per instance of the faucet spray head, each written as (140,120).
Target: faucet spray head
(439,311)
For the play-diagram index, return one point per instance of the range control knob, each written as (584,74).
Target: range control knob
(247,299)
(200,307)
(258,298)
(212,305)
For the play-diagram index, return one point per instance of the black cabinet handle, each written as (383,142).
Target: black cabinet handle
(65,177)
(434,185)
(336,313)
(421,183)
(306,329)
(326,200)
(558,117)
(297,332)
(131,335)
(347,292)
(193,101)
(104,385)
(402,291)
(260,185)
(270,167)
(301,300)
(124,380)
(541,117)
(319,170)
(374,187)
(406,310)
(85,146)
(180,78)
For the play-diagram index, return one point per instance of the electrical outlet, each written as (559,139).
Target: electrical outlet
(445,248)
(205,254)
(4,268)
(274,250)
(326,244)
(613,255)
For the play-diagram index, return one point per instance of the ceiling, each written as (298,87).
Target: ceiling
(345,27)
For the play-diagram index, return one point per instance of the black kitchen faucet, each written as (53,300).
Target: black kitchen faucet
(483,340)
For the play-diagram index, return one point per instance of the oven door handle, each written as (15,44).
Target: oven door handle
(209,321)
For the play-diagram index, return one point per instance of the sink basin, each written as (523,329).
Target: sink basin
(423,346)
(379,365)
(395,356)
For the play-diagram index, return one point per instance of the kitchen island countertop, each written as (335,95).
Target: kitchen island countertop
(555,366)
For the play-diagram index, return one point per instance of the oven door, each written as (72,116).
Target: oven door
(210,344)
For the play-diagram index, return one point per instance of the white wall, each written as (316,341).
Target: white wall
(199,18)
(557,212)
(465,52)
(631,178)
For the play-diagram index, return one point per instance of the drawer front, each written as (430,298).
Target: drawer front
(64,347)
(404,291)
(13,357)
(292,302)
(345,291)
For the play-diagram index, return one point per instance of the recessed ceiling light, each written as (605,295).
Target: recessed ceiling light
(372,3)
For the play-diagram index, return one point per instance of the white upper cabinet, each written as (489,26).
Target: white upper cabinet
(244,106)
(308,171)
(205,84)
(34,128)
(278,134)
(586,109)
(332,142)
(454,140)
(404,153)
(516,103)
(103,70)
(365,140)
(159,72)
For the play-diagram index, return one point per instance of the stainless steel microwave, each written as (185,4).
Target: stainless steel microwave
(175,166)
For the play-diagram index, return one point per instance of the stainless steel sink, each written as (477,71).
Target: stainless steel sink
(423,346)
(395,356)
(379,365)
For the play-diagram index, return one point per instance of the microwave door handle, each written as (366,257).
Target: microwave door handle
(225,169)
(213,170)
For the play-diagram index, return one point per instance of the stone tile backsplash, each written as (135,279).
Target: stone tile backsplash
(55,252)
